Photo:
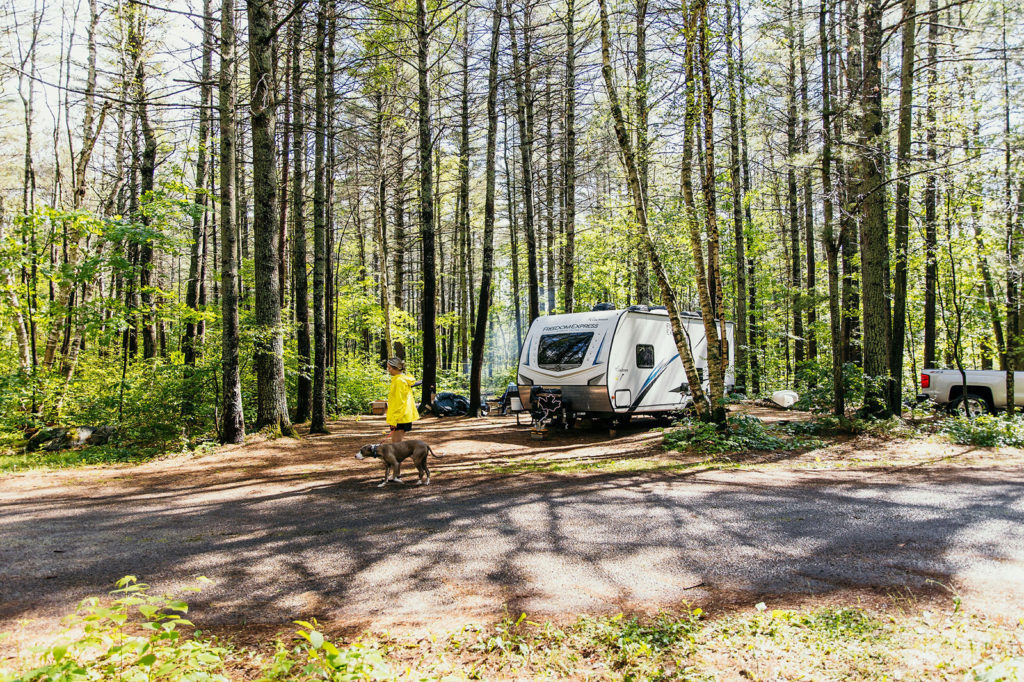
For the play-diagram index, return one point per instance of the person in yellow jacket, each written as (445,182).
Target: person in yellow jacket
(402,410)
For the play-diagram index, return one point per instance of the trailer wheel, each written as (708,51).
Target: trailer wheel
(971,405)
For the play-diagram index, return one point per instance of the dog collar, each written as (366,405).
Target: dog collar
(375,447)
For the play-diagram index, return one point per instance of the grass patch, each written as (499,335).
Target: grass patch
(76,457)
(15,459)
(137,636)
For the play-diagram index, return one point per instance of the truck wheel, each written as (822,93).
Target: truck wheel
(972,401)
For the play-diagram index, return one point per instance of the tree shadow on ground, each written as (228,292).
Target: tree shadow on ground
(298,529)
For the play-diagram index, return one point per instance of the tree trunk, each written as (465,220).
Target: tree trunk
(521,77)
(931,269)
(300,279)
(714,315)
(754,342)
(1013,242)
(643,160)
(232,428)
(487,264)
(426,149)
(737,208)
(20,330)
(466,246)
(832,244)
(513,234)
(271,402)
(195,327)
(899,296)
(810,302)
(792,149)
(147,179)
(874,233)
(549,165)
(318,416)
(382,206)
(399,250)
(668,297)
(569,268)
(850,230)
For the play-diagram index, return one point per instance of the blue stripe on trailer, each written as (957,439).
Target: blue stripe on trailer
(597,357)
(649,383)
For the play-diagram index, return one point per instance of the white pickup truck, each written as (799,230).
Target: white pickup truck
(985,389)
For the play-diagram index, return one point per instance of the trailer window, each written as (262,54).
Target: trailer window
(644,356)
(558,352)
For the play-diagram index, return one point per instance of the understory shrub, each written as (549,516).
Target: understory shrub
(360,380)
(816,394)
(316,658)
(742,433)
(631,641)
(985,430)
(137,638)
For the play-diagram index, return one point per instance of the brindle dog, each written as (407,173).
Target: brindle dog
(392,454)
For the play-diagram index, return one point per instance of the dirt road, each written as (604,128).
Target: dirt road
(290,529)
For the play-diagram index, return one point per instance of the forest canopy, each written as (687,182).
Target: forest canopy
(221,218)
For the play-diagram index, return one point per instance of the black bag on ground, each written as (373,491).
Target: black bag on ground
(449,404)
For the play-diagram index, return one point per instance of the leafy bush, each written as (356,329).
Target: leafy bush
(316,658)
(113,646)
(76,457)
(830,425)
(452,380)
(630,641)
(985,430)
(816,379)
(360,380)
(139,638)
(742,433)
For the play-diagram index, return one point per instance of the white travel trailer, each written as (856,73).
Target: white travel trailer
(609,364)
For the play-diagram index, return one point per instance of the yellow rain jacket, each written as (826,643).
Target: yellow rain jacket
(401,404)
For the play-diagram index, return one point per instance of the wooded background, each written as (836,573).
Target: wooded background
(222,218)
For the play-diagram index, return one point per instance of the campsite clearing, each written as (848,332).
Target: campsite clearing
(290,529)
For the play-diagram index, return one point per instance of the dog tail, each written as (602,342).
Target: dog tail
(431,451)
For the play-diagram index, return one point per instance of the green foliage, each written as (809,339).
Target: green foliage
(830,425)
(360,380)
(838,624)
(985,430)
(138,637)
(316,658)
(742,433)
(509,638)
(84,456)
(815,378)
(453,380)
(827,625)
(631,642)
(501,380)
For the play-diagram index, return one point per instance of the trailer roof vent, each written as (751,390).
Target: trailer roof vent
(658,307)
(600,307)
(639,308)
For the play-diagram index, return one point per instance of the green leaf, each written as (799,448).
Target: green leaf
(178,605)
(147,660)
(316,639)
